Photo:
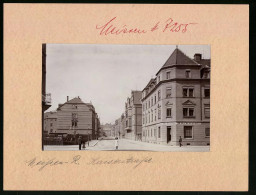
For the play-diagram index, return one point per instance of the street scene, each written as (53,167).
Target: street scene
(126,145)
(126,97)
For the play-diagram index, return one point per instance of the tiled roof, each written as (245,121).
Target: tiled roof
(75,101)
(179,58)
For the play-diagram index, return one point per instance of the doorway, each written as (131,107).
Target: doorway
(169,134)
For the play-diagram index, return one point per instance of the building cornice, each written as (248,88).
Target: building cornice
(180,66)
(172,80)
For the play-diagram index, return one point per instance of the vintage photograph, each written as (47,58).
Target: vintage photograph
(102,97)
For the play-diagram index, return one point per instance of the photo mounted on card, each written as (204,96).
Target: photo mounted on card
(161,101)
(126,96)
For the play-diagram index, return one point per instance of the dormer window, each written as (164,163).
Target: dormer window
(206,75)
(188,74)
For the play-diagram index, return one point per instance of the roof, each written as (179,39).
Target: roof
(205,62)
(75,100)
(179,58)
(149,83)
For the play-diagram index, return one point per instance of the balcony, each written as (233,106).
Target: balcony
(46,101)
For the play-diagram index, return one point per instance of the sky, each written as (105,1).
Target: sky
(105,75)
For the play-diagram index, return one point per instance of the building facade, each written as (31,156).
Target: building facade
(50,122)
(176,103)
(77,117)
(133,116)
(107,129)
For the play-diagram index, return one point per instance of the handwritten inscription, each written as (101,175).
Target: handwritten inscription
(41,164)
(76,160)
(111,27)
(131,160)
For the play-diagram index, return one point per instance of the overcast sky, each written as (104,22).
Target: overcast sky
(105,74)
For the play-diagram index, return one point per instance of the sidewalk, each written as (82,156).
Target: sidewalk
(158,147)
(92,143)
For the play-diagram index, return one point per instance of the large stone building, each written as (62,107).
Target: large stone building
(133,116)
(177,102)
(73,117)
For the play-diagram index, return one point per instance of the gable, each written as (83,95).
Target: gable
(188,103)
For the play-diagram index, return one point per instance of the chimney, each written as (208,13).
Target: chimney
(197,57)
(67,98)
(78,97)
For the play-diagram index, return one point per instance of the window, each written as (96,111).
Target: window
(206,75)
(154,132)
(51,131)
(168,112)
(159,132)
(151,133)
(74,119)
(168,75)
(188,112)
(152,116)
(159,79)
(51,124)
(188,134)
(152,101)
(168,92)
(207,93)
(188,92)
(159,95)
(155,99)
(155,114)
(74,106)
(187,74)
(148,103)
(159,113)
(207,111)
(207,132)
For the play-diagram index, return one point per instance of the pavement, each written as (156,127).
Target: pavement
(128,145)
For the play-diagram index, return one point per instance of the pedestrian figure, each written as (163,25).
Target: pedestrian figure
(116,143)
(180,141)
(79,142)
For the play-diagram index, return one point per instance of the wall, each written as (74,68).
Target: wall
(84,118)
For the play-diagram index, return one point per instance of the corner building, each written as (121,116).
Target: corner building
(177,102)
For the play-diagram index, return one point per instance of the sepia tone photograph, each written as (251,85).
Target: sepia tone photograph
(126,97)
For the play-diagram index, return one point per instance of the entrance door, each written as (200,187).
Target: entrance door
(169,134)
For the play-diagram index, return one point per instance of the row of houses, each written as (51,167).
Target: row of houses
(73,117)
(129,125)
(173,105)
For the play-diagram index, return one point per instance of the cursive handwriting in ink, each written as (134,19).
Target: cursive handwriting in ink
(41,164)
(112,27)
(131,160)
